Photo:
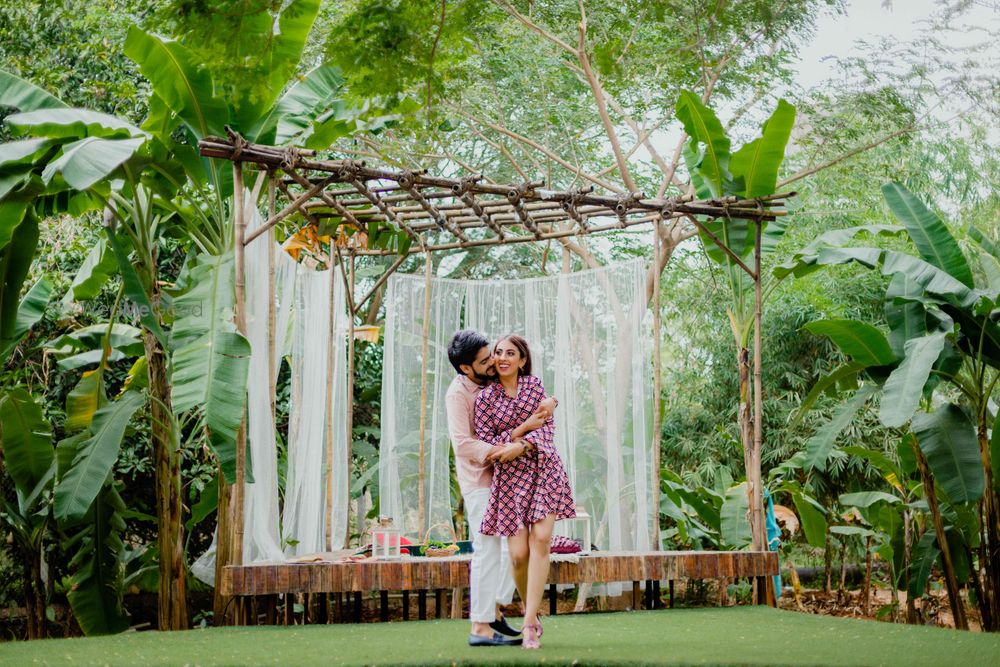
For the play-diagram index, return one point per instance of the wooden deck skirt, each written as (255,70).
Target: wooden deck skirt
(412,574)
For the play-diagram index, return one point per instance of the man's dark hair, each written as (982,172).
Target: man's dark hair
(464,347)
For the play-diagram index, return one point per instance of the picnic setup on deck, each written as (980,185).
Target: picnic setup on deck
(595,336)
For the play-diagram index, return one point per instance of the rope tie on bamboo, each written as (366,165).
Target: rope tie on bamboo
(349,170)
(625,202)
(239,143)
(290,159)
(570,205)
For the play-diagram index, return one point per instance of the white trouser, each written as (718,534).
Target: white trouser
(490,580)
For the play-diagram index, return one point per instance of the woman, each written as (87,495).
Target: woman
(530,492)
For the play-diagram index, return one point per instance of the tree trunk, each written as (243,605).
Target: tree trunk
(172,606)
(35,596)
(868,575)
(911,608)
(951,581)
(828,566)
(223,547)
(989,604)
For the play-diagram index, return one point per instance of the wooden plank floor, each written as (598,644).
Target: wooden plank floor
(415,574)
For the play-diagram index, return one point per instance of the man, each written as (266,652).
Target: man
(490,579)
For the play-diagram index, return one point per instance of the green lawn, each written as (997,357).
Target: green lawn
(733,636)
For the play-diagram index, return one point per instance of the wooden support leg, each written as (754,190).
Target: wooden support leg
(657,602)
(383,599)
(271,610)
(552,600)
(636,597)
(307,611)
(439,603)
(322,608)
(406,605)
(357,607)
(671,585)
(422,605)
(288,617)
(457,598)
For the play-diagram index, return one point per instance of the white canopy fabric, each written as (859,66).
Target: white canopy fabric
(592,348)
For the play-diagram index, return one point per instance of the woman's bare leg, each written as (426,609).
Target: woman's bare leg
(539,538)
(517,547)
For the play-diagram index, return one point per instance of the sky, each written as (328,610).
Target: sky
(871,19)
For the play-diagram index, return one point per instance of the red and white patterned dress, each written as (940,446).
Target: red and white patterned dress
(533,485)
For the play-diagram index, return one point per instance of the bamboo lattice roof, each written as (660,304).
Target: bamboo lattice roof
(441,213)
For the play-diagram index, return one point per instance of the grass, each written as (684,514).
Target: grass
(709,636)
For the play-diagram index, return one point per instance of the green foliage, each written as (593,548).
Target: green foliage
(211,358)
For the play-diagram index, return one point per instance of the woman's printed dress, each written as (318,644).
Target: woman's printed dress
(533,485)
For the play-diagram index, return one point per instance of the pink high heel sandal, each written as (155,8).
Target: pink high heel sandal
(532,631)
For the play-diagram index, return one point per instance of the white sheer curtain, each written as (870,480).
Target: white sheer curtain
(591,346)
(304,525)
(402,376)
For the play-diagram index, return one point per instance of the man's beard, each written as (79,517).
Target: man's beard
(483,378)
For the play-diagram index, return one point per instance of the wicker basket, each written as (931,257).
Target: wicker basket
(441,552)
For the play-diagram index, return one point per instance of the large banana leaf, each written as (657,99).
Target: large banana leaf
(31,309)
(984,242)
(286,45)
(95,457)
(757,162)
(96,583)
(15,261)
(821,444)
(87,161)
(210,358)
(947,438)
(904,312)
(703,126)
(813,520)
(17,93)
(860,341)
(84,400)
(93,274)
(86,346)
(906,383)
(924,556)
(24,152)
(26,437)
(134,289)
(734,524)
(298,109)
(929,234)
(71,122)
(866,499)
(179,82)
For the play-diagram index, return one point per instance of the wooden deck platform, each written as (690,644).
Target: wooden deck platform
(441,574)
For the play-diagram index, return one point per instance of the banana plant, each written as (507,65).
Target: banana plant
(942,318)
(748,173)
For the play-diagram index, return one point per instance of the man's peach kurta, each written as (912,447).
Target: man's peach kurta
(470,453)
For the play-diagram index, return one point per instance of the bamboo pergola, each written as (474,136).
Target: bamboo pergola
(440,214)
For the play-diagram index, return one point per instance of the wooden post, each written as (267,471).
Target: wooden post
(757,508)
(657,370)
(349,297)
(330,434)
(425,351)
(241,326)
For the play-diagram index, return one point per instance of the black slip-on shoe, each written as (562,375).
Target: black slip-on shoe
(503,627)
(496,640)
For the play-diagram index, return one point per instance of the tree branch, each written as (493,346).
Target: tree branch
(849,154)
(541,149)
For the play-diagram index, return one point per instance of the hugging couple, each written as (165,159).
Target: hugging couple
(513,482)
